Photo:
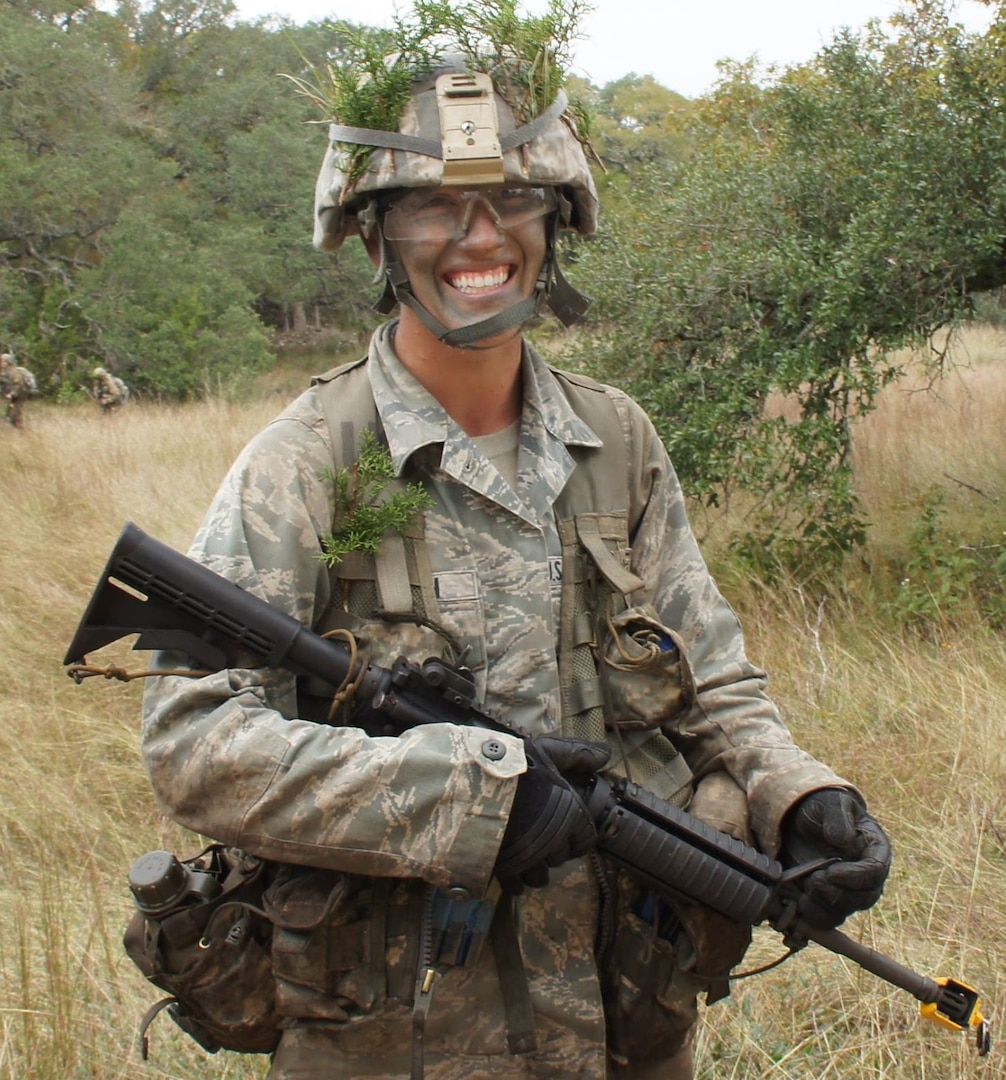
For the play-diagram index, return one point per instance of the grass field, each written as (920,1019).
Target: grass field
(911,710)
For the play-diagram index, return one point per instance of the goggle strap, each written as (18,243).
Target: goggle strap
(534,127)
(390,140)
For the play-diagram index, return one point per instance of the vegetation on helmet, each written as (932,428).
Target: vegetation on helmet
(527,57)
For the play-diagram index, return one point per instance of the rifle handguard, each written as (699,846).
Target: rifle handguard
(672,851)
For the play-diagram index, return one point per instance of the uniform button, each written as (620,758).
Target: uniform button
(493,749)
(458,892)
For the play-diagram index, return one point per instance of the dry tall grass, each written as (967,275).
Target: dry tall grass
(74,806)
(944,435)
(916,723)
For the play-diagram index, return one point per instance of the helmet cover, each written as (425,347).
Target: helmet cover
(431,153)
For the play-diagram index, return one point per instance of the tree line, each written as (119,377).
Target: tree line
(818,223)
(156,183)
(156,176)
(785,233)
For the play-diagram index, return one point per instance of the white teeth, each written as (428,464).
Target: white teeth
(490,279)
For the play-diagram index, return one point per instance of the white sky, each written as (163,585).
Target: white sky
(677,43)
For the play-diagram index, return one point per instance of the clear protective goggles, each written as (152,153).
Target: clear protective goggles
(440,214)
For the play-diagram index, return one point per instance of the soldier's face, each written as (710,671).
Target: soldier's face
(484,257)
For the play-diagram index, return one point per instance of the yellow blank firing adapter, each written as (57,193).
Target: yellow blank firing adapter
(967,1012)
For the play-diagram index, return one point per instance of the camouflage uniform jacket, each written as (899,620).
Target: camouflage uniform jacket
(17,383)
(229,758)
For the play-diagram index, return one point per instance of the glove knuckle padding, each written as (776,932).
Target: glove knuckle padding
(542,834)
(572,756)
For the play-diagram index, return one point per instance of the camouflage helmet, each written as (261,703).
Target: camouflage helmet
(456,130)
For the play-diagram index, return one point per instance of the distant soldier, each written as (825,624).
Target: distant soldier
(17,384)
(108,390)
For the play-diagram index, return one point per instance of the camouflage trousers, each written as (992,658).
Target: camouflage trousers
(656,963)
(15,411)
(651,1028)
(313,1051)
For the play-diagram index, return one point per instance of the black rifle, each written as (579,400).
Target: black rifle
(172,602)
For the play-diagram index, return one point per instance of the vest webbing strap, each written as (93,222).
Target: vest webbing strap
(617,576)
(393,576)
(597,490)
(516,993)
(594,497)
(345,392)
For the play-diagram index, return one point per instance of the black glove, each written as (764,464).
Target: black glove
(549,822)
(833,823)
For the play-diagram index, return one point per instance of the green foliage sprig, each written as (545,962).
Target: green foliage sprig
(371,82)
(527,58)
(364,514)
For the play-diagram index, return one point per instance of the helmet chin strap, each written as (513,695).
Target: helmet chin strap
(565,302)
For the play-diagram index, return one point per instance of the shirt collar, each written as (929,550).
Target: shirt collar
(413,418)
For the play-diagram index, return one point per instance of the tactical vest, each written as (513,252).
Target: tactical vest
(594,525)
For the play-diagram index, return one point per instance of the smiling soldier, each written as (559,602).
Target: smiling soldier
(438,903)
